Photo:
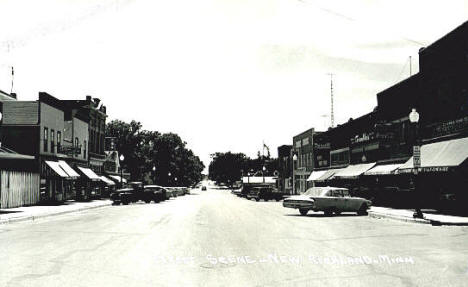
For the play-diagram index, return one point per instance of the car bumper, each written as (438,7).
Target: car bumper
(298,204)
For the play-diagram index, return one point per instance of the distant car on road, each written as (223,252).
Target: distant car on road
(329,200)
(203,187)
(266,193)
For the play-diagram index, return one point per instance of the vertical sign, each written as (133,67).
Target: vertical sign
(416,156)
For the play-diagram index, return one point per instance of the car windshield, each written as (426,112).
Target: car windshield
(315,191)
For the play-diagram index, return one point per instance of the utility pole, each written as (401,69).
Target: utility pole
(332,117)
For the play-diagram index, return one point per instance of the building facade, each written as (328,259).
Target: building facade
(303,149)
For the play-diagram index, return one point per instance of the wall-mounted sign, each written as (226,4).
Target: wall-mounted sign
(321,145)
(447,128)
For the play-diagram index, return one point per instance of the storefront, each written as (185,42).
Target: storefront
(442,175)
(90,184)
(19,179)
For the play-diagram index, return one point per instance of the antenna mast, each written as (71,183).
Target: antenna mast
(332,116)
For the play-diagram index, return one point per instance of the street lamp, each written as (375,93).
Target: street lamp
(168,177)
(154,174)
(414,119)
(294,158)
(263,173)
(121,172)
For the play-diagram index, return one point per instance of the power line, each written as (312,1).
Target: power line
(350,19)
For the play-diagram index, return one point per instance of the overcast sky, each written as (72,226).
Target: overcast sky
(223,74)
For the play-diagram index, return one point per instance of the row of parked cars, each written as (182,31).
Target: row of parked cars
(259,192)
(137,191)
(330,200)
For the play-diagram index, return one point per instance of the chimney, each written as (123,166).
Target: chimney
(13,95)
(88,98)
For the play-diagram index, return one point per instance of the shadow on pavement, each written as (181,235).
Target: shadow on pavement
(323,215)
(9,211)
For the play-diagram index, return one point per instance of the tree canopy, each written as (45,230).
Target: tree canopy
(227,168)
(174,163)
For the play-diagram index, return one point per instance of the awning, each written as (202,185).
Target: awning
(56,168)
(258,179)
(316,174)
(70,171)
(107,181)
(354,170)
(117,177)
(89,173)
(439,156)
(328,174)
(383,169)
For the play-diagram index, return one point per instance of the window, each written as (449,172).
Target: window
(52,141)
(77,146)
(59,141)
(84,149)
(46,139)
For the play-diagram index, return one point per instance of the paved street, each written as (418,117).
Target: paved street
(213,238)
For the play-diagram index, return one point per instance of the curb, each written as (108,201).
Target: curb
(34,217)
(416,220)
(399,218)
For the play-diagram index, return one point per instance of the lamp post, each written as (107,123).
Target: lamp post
(263,173)
(294,158)
(121,172)
(168,177)
(414,119)
(154,174)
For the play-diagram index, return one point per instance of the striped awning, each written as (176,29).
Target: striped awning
(89,173)
(354,170)
(440,156)
(106,180)
(56,168)
(118,178)
(384,169)
(70,171)
(316,175)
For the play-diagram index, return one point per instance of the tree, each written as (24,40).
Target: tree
(167,153)
(226,167)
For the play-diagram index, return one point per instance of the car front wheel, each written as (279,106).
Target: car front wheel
(303,211)
(362,210)
(328,212)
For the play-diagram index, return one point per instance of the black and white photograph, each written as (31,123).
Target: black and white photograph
(233,143)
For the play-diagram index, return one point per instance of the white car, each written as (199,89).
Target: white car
(329,200)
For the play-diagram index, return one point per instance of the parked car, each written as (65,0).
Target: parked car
(159,192)
(133,194)
(266,193)
(237,191)
(172,190)
(329,200)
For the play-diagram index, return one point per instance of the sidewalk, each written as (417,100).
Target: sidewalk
(407,215)
(9,215)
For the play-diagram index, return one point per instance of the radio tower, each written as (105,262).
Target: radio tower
(332,117)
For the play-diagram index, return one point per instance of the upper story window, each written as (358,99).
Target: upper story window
(46,139)
(52,141)
(59,140)
(84,149)
(77,145)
